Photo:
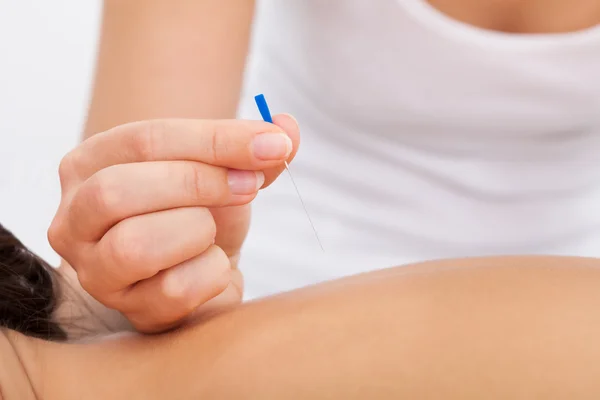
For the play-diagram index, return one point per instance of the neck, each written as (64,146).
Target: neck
(79,314)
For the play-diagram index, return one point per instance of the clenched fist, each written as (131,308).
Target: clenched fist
(153,214)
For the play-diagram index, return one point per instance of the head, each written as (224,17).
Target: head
(29,291)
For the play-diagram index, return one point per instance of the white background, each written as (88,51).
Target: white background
(47,55)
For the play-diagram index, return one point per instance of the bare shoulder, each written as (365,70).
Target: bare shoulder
(36,369)
(14,380)
(517,327)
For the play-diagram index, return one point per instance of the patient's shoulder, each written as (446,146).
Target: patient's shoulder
(14,380)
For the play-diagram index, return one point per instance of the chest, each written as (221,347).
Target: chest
(523,16)
(398,70)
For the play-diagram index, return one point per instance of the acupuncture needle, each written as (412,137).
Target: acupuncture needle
(263,108)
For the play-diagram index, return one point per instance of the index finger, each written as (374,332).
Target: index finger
(238,144)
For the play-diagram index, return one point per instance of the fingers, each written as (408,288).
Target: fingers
(126,190)
(166,299)
(233,221)
(291,128)
(231,296)
(237,144)
(141,204)
(138,248)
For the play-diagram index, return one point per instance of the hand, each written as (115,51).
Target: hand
(153,214)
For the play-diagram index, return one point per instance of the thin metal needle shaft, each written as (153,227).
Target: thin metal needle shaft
(287,167)
(263,108)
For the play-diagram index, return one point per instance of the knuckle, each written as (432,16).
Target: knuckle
(147,138)
(65,165)
(196,184)
(215,143)
(67,168)
(125,248)
(101,193)
(174,293)
(62,240)
(175,297)
(205,185)
(56,235)
(220,136)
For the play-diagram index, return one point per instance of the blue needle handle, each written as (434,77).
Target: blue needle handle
(263,108)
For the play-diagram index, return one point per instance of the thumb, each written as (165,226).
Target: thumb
(233,222)
(291,128)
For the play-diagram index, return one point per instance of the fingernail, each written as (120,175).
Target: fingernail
(272,146)
(244,182)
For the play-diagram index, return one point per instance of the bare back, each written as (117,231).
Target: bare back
(506,327)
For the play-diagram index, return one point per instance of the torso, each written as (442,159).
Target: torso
(523,16)
(429,130)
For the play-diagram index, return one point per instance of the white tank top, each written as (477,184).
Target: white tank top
(422,138)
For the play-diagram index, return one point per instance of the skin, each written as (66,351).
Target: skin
(523,16)
(169,59)
(13,371)
(162,59)
(185,59)
(154,229)
(494,328)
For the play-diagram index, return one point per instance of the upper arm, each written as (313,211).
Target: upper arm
(165,58)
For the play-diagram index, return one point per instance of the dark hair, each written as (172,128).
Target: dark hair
(29,291)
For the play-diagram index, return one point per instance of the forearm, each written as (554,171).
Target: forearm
(164,58)
(497,328)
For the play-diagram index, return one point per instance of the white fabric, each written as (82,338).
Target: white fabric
(422,138)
